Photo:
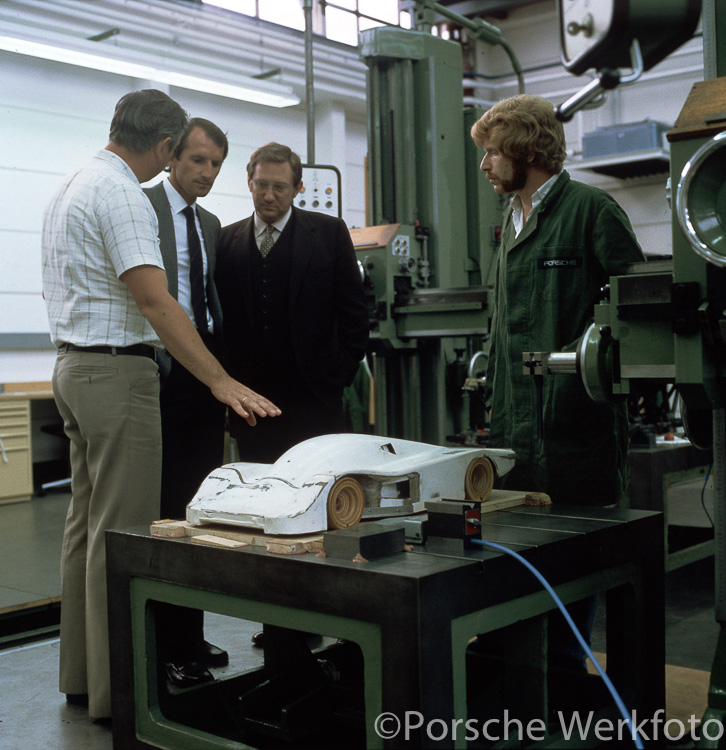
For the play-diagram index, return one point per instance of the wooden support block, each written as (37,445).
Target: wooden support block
(299,546)
(169,529)
(279,545)
(538,498)
(217,541)
(235,533)
(502,499)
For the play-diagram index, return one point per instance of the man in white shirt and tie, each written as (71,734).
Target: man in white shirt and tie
(192,420)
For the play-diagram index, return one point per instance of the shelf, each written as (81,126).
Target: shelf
(633,164)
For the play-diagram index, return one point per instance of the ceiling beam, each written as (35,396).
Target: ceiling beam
(473,8)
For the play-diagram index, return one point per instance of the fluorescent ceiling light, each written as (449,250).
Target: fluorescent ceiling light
(269,94)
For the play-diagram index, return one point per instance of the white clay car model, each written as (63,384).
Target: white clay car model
(333,481)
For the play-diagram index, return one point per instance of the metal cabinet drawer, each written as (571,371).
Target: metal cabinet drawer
(16,463)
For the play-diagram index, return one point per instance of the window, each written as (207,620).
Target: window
(285,12)
(343,18)
(246,7)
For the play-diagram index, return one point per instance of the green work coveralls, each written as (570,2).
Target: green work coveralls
(548,282)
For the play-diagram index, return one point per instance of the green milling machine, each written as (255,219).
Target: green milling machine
(428,254)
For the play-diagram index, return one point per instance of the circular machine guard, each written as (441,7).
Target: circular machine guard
(701,200)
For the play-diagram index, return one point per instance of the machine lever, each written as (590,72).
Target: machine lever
(539,364)
(606,80)
(534,366)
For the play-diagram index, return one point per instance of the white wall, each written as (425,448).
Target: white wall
(54,117)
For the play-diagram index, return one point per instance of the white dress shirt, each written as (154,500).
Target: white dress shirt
(184,285)
(537,197)
(278,226)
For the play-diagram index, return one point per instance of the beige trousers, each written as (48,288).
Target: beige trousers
(110,409)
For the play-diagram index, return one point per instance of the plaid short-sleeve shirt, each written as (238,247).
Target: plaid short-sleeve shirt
(98,225)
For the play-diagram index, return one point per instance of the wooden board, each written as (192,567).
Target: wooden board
(217,541)
(378,236)
(30,391)
(281,545)
(704,112)
(503,499)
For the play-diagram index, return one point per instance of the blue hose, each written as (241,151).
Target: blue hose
(616,697)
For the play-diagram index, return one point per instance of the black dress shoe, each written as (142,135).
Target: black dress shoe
(211,655)
(187,673)
(258,639)
(77,699)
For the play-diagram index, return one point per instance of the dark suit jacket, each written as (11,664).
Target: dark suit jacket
(210,231)
(327,308)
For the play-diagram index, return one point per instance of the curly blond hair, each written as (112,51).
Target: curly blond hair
(525,126)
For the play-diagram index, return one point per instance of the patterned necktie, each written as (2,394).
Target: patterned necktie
(196,272)
(268,240)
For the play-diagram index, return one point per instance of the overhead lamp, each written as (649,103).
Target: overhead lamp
(243,89)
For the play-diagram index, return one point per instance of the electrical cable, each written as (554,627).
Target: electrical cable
(515,64)
(611,688)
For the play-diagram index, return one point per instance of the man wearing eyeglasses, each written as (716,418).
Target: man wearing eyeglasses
(296,319)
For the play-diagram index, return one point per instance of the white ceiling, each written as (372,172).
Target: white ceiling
(198,39)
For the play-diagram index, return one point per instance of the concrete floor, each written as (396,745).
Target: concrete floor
(35,716)
(30,547)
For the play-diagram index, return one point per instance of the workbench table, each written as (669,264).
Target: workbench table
(412,615)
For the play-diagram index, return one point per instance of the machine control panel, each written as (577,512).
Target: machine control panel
(401,246)
(321,190)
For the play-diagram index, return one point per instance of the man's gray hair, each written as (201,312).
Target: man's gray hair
(143,118)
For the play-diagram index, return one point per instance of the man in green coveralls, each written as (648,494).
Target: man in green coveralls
(561,241)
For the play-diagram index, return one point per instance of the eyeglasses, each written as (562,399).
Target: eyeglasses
(278,188)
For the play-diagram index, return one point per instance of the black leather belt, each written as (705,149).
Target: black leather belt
(136,350)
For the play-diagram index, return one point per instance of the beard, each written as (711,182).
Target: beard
(519,177)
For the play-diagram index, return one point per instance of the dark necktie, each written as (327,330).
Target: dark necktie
(268,240)
(196,272)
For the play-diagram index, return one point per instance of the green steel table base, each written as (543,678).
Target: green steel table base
(411,615)
(652,472)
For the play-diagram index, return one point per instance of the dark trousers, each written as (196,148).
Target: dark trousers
(565,650)
(303,416)
(192,428)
